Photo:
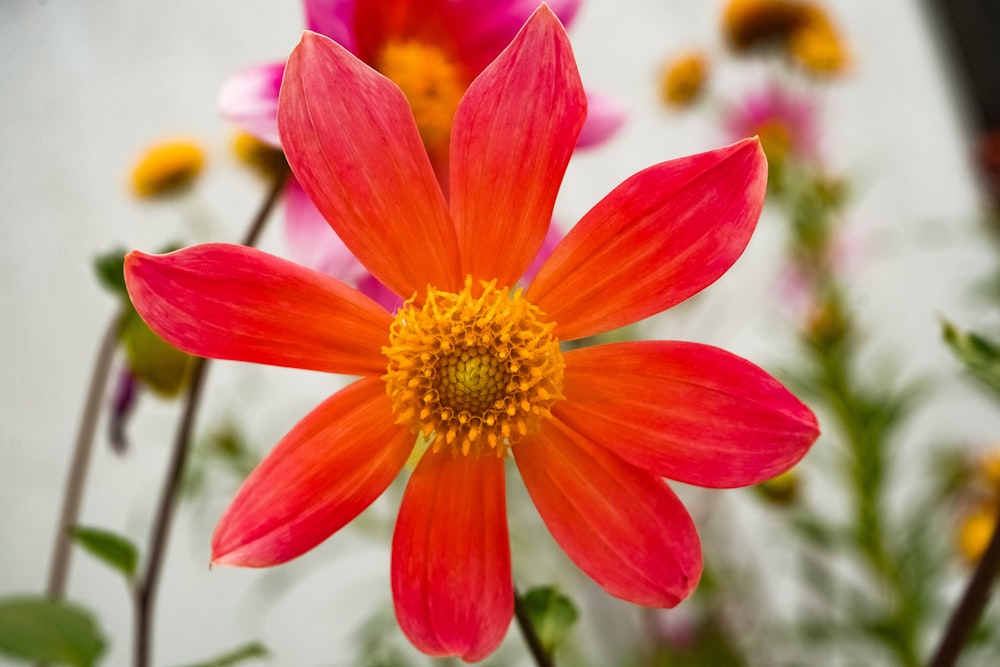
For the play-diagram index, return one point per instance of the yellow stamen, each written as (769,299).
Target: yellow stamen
(477,372)
(432,82)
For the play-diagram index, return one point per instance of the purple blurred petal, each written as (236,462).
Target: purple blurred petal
(604,118)
(333,18)
(552,239)
(370,286)
(249,99)
(122,406)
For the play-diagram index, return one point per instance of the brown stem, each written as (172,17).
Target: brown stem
(538,652)
(146,586)
(970,609)
(62,550)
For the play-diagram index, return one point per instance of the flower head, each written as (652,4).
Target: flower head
(784,121)
(167,168)
(473,362)
(683,79)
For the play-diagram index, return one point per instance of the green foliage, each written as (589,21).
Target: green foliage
(36,629)
(552,613)
(980,355)
(110,268)
(236,656)
(113,549)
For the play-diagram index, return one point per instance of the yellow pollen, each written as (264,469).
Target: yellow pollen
(432,82)
(475,373)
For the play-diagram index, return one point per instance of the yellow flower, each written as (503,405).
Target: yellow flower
(975,531)
(750,24)
(683,79)
(815,44)
(167,168)
(261,157)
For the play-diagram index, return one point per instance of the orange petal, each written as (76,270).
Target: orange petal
(332,465)
(514,132)
(622,526)
(451,578)
(664,234)
(689,412)
(233,302)
(351,140)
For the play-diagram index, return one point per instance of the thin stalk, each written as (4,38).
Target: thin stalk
(146,587)
(538,652)
(968,612)
(62,549)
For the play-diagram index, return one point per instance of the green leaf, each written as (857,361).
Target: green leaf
(980,355)
(36,629)
(113,549)
(552,614)
(110,268)
(236,656)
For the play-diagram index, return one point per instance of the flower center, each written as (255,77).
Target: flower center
(432,82)
(476,373)
(776,139)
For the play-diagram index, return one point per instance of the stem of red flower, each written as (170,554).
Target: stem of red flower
(970,609)
(146,586)
(538,652)
(62,550)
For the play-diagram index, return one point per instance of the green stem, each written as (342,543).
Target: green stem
(82,450)
(541,656)
(968,612)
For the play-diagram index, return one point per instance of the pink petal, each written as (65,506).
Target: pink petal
(351,141)
(553,238)
(689,412)
(622,526)
(312,242)
(329,467)
(484,28)
(604,118)
(664,234)
(451,578)
(514,132)
(249,99)
(333,18)
(233,302)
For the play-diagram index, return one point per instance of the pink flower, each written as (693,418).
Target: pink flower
(432,49)
(784,121)
(475,365)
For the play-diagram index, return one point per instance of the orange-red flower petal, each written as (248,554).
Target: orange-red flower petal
(350,138)
(451,577)
(514,132)
(232,302)
(329,467)
(686,411)
(663,235)
(622,526)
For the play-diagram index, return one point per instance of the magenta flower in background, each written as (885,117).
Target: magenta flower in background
(432,50)
(784,120)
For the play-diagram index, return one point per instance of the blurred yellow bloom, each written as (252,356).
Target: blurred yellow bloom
(167,168)
(683,79)
(989,467)
(261,157)
(750,24)
(816,45)
(975,531)
(802,30)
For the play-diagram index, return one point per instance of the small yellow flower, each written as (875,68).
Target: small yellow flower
(261,157)
(751,24)
(167,168)
(975,531)
(816,46)
(683,79)
(989,469)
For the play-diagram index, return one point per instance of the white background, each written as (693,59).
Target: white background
(84,86)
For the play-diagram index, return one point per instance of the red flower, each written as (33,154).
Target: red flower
(475,365)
